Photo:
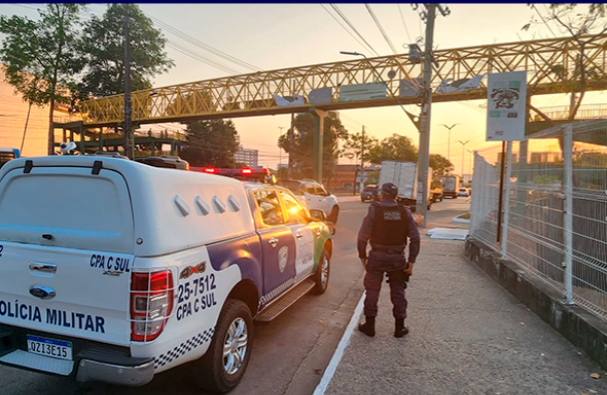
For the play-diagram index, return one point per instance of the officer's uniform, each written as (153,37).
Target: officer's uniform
(387,226)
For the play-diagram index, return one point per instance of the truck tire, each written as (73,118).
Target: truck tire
(334,214)
(321,277)
(220,373)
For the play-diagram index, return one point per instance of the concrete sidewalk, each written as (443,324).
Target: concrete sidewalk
(468,336)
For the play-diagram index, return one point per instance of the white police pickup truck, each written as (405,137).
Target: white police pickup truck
(113,270)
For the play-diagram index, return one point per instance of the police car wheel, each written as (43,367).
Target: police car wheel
(321,277)
(226,360)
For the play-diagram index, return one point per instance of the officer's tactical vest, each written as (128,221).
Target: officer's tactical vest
(390,225)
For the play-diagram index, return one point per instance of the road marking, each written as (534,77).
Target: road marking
(339,352)
(346,211)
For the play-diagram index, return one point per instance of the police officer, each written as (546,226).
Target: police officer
(387,226)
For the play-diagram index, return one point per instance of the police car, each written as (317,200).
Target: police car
(113,270)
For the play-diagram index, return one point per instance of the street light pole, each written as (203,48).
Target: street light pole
(449,139)
(471,160)
(463,143)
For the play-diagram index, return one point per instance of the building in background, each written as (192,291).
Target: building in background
(247,156)
(13,116)
(347,177)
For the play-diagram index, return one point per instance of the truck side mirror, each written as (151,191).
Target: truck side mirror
(317,215)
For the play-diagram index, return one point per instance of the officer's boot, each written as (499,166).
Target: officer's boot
(400,329)
(368,328)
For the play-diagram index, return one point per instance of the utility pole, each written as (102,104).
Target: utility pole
(128,142)
(424,127)
(362,162)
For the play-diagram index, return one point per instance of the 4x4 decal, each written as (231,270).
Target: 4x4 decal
(188,271)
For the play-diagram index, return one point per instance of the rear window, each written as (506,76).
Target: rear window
(78,209)
(61,203)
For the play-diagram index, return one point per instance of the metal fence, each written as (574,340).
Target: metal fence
(554,208)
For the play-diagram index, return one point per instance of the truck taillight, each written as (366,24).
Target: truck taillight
(151,304)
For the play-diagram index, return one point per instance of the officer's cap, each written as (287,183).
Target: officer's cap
(389,189)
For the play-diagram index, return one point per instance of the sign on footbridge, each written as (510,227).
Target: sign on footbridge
(458,74)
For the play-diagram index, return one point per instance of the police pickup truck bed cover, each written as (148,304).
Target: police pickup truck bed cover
(138,263)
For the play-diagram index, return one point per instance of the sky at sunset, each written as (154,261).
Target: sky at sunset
(274,36)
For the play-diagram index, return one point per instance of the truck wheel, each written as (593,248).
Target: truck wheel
(226,360)
(334,214)
(321,277)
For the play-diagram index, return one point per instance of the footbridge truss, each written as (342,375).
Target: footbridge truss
(458,74)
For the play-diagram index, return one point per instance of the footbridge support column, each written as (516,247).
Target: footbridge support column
(319,123)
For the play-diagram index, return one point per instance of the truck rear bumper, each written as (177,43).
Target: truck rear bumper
(92,361)
(89,370)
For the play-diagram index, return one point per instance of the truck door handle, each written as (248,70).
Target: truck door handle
(273,241)
(299,235)
(39,267)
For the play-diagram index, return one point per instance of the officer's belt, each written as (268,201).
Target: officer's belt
(390,249)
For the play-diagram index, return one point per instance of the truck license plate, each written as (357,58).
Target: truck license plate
(49,347)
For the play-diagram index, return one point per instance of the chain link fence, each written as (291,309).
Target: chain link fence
(554,208)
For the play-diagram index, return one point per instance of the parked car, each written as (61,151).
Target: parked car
(314,196)
(463,192)
(369,193)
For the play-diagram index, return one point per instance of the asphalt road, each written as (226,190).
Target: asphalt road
(289,353)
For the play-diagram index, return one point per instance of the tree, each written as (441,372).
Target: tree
(302,151)
(440,165)
(103,49)
(41,58)
(583,28)
(211,143)
(354,144)
(397,147)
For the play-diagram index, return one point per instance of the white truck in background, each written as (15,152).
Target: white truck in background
(451,186)
(404,176)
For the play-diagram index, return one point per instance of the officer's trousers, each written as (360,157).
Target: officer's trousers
(372,282)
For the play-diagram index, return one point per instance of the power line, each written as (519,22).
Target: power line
(201,58)
(381,29)
(545,23)
(204,46)
(342,25)
(404,24)
(188,52)
(353,28)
